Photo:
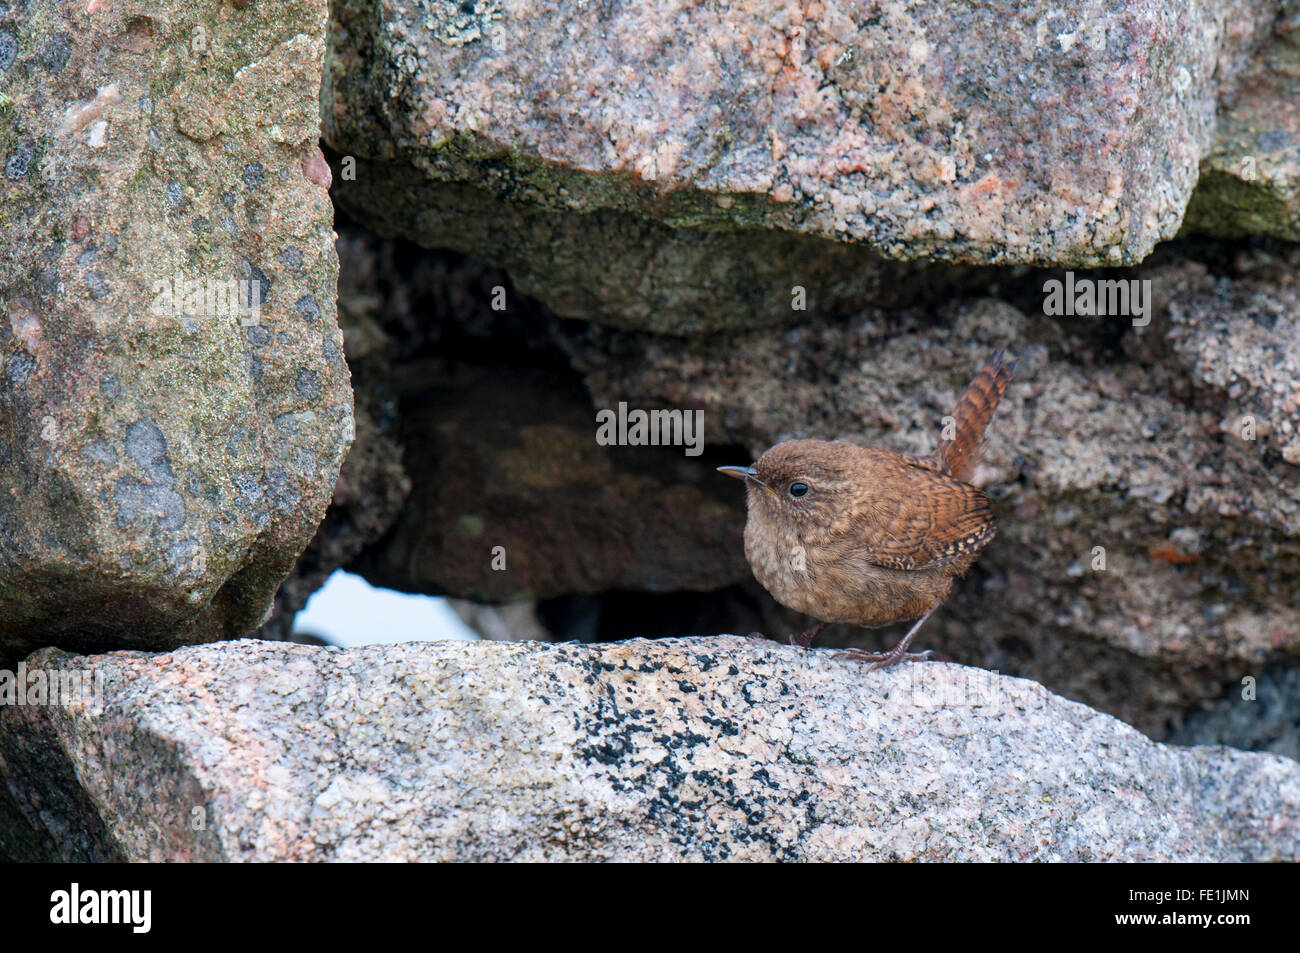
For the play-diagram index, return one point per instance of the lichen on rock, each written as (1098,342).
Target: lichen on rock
(685,749)
(172,418)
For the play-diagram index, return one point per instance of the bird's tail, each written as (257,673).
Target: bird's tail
(974,410)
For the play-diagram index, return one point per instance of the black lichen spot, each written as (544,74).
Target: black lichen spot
(280,489)
(681,739)
(290,258)
(18,368)
(307,384)
(57,51)
(254,176)
(18,161)
(248,485)
(258,289)
(611,752)
(308,309)
(175,194)
(146,445)
(766,779)
(8,49)
(725,726)
(97,285)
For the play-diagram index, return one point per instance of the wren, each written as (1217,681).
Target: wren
(867,536)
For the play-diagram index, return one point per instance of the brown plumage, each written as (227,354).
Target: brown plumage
(867,536)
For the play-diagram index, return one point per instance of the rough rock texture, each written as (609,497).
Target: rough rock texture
(625,175)
(163,458)
(373,483)
(1250,181)
(629,272)
(688,749)
(1260,714)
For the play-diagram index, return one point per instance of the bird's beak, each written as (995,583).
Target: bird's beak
(744,473)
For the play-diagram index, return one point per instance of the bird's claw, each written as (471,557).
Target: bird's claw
(882,660)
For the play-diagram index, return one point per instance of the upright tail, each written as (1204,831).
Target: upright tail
(972,415)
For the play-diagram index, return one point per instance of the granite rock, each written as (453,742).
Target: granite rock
(1250,181)
(686,749)
(648,164)
(174,401)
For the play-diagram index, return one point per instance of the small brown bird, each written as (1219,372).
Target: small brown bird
(868,536)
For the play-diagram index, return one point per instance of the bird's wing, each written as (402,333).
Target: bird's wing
(929,518)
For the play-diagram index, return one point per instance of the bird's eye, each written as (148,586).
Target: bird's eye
(798,489)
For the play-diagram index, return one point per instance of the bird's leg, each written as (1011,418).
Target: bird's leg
(895,655)
(804,639)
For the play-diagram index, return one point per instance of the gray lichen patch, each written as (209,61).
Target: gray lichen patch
(457,22)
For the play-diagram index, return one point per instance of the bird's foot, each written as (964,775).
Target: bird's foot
(899,653)
(804,639)
(759,637)
(880,660)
